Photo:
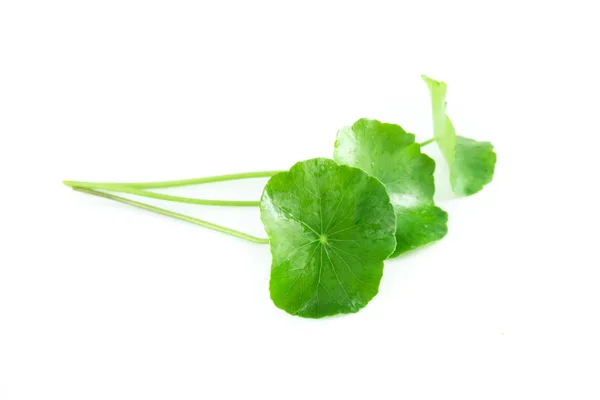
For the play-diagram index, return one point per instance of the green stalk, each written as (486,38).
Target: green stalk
(140,192)
(425,143)
(193,181)
(172,214)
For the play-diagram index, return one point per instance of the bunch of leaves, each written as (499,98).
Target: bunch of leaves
(331,224)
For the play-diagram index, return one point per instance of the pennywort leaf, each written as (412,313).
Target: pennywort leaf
(391,155)
(471,162)
(331,224)
(330,227)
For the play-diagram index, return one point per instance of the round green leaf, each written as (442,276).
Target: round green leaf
(330,227)
(473,166)
(471,162)
(388,153)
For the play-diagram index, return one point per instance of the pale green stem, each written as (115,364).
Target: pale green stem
(425,143)
(172,214)
(140,192)
(194,181)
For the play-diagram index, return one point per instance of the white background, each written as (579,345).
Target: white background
(99,300)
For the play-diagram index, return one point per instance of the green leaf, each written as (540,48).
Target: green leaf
(330,227)
(471,163)
(388,153)
(473,167)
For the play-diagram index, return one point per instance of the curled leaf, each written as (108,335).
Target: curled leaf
(330,227)
(471,162)
(388,153)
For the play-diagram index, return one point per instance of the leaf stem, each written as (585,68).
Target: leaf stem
(172,214)
(161,196)
(425,143)
(194,181)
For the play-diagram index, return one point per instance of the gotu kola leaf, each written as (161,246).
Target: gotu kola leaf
(471,162)
(388,153)
(330,227)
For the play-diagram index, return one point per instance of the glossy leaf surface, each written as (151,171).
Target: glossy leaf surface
(330,227)
(388,153)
